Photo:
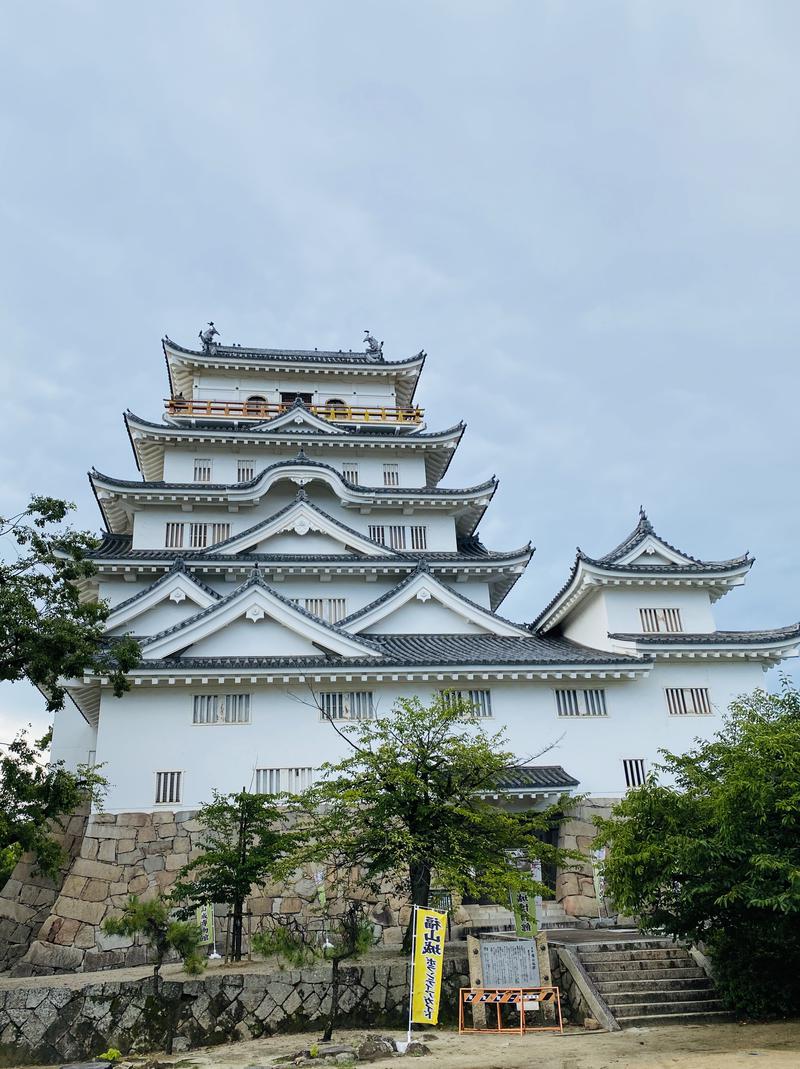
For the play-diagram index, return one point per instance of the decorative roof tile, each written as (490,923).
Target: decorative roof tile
(711,638)
(311,356)
(536,777)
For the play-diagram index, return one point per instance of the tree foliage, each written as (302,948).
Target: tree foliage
(151,919)
(409,800)
(36,795)
(247,841)
(47,633)
(712,854)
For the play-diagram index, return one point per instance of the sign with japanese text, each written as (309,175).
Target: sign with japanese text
(205,922)
(429,933)
(509,963)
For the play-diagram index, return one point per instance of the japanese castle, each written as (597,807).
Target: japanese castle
(291,554)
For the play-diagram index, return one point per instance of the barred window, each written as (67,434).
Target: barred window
(283,780)
(208,534)
(398,535)
(654,620)
(350,470)
(347,705)
(168,787)
(590,702)
(245,470)
(480,700)
(202,469)
(331,610)
(219,532)
(391,474)
(221,709)
(633,767)
(419,537)
(174,536)
(688,701)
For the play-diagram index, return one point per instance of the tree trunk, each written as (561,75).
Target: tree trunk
(333,1015)
(236,934)
(420,878)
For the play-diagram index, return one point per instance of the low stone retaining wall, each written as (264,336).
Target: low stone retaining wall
(46,1022)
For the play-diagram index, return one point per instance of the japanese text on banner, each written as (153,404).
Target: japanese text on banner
(205,922)
(430,929)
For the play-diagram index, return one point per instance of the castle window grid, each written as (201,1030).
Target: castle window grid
(581,702)
(654,621)
(346,705)
(634,770)
(398,536)
(331,610)
(391,474)
(350,471)
(245,470)
(221,709)
(202,469)
(480,700)
(283,780)
(688,701)
(201,535)
(169,788)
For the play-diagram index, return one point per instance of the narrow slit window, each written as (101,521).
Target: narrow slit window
(688,701)
(174,536)
(245,470)
(377,532)
(480,700)
(219,532)
(419,537)
(347,705)
(331,610)
(350,471)
(633,768)
(391,474)
(283,780)
(660,620)
(198,535)
(397,536)
(168,787)
(202,469)
(221,709)
(581,702)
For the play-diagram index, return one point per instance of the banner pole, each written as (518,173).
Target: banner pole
(411,985)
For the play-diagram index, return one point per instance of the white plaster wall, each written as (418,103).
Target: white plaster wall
(425,618)
(622,607)
(150,729)
(350,389)
(264,638)
(166,614)
(73,738)
(589,624)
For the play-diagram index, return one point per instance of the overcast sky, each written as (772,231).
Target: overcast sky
(586,213)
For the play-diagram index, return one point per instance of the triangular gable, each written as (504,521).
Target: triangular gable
(177,587)
(252,603)
(438,610)
(651,550)
(297,419)
(300,518)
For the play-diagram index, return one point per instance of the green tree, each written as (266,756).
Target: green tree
(410,800)
(151,918)
(36,795)
(248,839)
(48,632)
(713,853)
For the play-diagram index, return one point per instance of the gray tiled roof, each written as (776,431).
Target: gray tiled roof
(296,355)
(431,650)
(711,638)
(643,530)
(525,777)
(178,567)
(262,430)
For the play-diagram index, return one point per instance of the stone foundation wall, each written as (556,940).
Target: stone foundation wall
(575,882)
(52,1024)
(140,854)
(27,897)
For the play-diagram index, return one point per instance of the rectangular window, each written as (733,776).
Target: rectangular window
(202,469)
(331,610)
(397,536)
(245,470)
(654,620)
(283,780)
(480,700)
(350,471)
(688,701)
(634,771)
(591,702)
(208,534)
(377,532)
(350,705)
(391,474)
(419,537)
(168,787)
(221,709)
(174,537)
(219,532)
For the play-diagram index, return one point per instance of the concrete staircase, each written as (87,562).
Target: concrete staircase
(553,917)
(651,982)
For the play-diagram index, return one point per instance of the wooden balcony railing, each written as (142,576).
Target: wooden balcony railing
(196,409)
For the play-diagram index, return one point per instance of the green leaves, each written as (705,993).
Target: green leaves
(716,856)
(151,918)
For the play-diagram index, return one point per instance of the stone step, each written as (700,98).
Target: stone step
(667,983)
(605,947)
(665,1009)
(603,976)
(695,1017)
(592,957)
(658,996)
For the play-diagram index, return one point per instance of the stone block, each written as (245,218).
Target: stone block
(89,849)
(153,864)
(48,955)
(291,905)
(107,850)
(112,942)
(147,834)
(95,891)
(124,846)
(137,884)
(97,870)
(181,844)
(85,939)
(129,857)
(89,912)
(64,931)
(132,820)
(163,817)
(580,906)
(106,959)
(173,862)
(15,911)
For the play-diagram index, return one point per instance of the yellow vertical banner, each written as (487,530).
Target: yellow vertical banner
(430,929)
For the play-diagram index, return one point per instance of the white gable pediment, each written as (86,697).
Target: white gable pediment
(289,630)
(653,551)
(297,420)
(292,525)
(424,604)
(170,599)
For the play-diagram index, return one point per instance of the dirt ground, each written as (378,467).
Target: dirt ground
(708,1046)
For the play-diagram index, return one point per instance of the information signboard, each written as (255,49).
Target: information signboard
(509,963)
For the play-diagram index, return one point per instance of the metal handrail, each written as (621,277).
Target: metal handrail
(259,410)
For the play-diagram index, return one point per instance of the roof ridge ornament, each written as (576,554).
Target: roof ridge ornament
(302,456)
(644,522)
(207,337)
(374,348)
(301,495)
